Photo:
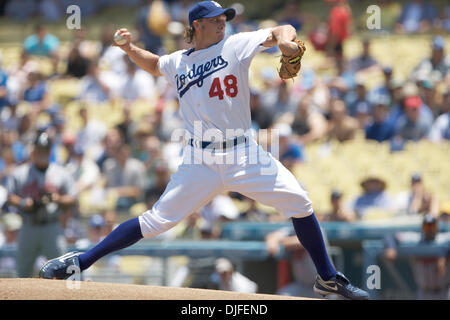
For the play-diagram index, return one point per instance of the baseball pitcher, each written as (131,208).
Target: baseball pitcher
(211,79)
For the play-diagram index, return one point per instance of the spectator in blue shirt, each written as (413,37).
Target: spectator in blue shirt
(43,44)
(374,196)
(381,128)
(359,103)
(417,17)
(36,92)
(290,153)
(364,62)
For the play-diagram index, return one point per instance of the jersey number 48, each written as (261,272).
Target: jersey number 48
(230,83)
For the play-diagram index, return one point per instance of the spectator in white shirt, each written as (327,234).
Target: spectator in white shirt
(136,83)
(96,85)
(227,279)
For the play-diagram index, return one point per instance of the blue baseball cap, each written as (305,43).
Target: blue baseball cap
(209,9)
(97,221)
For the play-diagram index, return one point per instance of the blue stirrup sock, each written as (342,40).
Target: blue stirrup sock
(121,237)
(310,236)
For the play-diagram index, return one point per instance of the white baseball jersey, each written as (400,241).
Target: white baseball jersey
(213,90)
(212,83)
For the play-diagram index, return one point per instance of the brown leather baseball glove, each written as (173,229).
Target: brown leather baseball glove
(291,65)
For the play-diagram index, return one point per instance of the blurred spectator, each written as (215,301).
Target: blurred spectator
(84,170)
(440,130)
(77,64)
(276,96)
(359,107)
(428,94)
(52,10)
(73,229)
(166,119)
(338,211)
(179,11)
(291,15)
(160,179)
(240,22)
(341,126)
(95,234)
(112,140)
(380,129)
(27,132)
(261,117)
(252,212)
(357,100)
(291,153)
(15,150)
(7,164)
(18,76)
(227,279)
(152,38)
(124,176)
(88,49)
(417,16)
(154,157)
(97,85)
(308,124)
(374,196)
(21,10)
(364,62)
(435,67)
(11,224)
(8,118)
(96,225)
(411,126)
(110,217)
(139,142)
(36,92)
(444,22)
(400,93)
(127,127)
(387,86)
(136,83)
(90,134)
(302,266)
(418,200)
(41,43)
(339,25)
(431,274)
(219,210)
(444,212)
(189,228)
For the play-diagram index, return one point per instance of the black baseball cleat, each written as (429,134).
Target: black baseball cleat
(339,285)
(59,268)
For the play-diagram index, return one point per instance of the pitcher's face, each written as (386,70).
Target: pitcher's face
(211,28)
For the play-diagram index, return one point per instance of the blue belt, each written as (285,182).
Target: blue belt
(218,145)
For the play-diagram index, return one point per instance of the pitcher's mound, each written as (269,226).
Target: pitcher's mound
(30,289)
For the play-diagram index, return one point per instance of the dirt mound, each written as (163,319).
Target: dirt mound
(31,289)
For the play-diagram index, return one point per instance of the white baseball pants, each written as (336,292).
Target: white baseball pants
(246,169)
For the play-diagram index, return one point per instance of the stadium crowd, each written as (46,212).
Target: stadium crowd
(123,167)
